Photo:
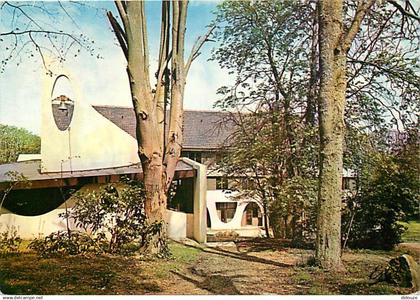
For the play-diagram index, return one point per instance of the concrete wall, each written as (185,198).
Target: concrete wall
(190,226)
(90,142)
(34,226)
(200,200)
(216,196)
(42,225)
(177,224)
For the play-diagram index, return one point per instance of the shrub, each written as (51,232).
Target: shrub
(388,194)
(111,219)
(67,243)
(229,234)
(116,212)
(9,241)
(292,213)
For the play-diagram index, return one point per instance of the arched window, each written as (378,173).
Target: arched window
(252,215)
(62,102)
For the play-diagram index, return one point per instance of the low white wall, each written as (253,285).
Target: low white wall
(42,225)
(177,224)
(33,226)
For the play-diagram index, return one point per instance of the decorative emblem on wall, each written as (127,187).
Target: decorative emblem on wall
(62,108)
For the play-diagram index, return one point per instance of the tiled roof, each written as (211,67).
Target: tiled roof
(205,129)
(202,129)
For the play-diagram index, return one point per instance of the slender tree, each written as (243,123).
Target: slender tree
(267,46)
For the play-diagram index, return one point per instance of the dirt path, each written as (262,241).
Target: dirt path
(233,271)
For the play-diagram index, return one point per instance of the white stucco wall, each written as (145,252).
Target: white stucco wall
(177,224)
(26,157)
(90,142)
(216,196)
(200,200)
(34,226)
(42,225)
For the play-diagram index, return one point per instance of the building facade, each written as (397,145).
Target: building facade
(205,134)
(82,150)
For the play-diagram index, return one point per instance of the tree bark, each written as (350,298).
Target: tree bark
(158,154)
(331,124)
(334,43)
(265,217)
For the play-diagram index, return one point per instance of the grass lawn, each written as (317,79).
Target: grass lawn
(256,267)
(412,234)
(355,280)
(26,273)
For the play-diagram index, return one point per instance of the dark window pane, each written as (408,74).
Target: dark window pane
(226,210)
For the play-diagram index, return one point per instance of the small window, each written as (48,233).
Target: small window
(219,157)
(222,183)
(247,184)
(194,155)
(226,210)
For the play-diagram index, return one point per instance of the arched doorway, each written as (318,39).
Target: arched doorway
(252,215)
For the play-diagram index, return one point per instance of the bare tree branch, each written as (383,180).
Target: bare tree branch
(68,15)
(196,48)
(122,10)
(404,11)
(23,12)
(119,33)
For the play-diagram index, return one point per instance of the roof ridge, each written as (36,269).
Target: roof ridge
(194,110)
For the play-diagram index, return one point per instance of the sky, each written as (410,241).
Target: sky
(103,81)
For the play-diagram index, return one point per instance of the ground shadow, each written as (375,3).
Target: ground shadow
(238,255)
(74,275)
(246,245)
(214,283)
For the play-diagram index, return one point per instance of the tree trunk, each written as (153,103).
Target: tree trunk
(265,216)
(334,43)
(148,129)
(331,117)
(158,155)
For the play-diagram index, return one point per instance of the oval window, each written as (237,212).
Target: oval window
(62,102)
